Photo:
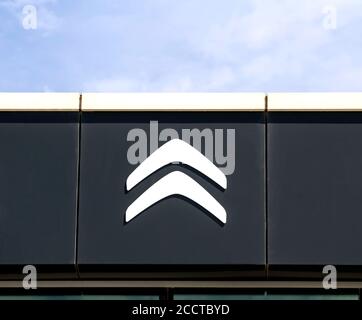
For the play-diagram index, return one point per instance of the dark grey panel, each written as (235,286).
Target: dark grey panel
(314,189)
(38,189)
(174,231)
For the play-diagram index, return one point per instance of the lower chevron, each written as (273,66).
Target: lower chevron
(176,183)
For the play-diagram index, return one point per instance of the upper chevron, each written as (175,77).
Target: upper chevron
(176,150)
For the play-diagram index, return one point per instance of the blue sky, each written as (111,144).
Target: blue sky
(189,45)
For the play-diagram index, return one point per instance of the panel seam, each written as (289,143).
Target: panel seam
(78,187)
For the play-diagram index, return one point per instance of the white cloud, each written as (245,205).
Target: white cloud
(216,79)
(192,45)
(112,85)
(281,40)
(276,44)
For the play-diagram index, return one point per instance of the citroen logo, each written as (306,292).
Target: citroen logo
(176,182)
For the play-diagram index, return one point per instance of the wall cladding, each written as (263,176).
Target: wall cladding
(314,188)
(38,192)
(293,201)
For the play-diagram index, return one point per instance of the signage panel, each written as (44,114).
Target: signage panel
(172,188)
(38,191)
(314,193)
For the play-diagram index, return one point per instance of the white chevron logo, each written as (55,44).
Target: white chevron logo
(176,183)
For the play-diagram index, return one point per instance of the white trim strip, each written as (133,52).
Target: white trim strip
(173,102)
(223,102)
(333,101)
(36,101)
